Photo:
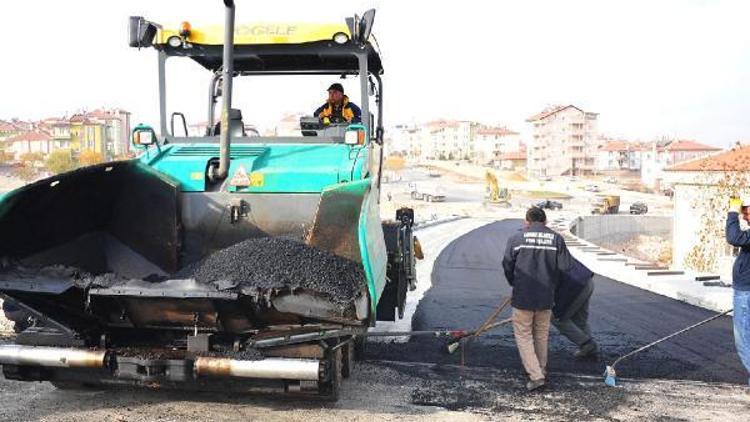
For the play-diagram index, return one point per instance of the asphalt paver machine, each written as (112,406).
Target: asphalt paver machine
(223,261)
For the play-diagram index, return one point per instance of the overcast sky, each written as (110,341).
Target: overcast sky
(650,68)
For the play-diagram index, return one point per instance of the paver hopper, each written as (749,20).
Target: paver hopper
(220,261)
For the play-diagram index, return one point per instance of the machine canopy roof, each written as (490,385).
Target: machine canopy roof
(273,48)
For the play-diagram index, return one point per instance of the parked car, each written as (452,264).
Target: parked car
(548,205)
(545,178)
(610,179)
(638,208)
(592,188)
(668,192)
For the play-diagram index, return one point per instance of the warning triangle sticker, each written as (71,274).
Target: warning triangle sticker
(240,177)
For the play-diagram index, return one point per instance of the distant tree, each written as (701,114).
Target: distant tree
(5,157)
(394,162)
(60,161)
(32,158)
(89,158)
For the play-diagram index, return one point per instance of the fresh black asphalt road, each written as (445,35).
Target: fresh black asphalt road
(468,283)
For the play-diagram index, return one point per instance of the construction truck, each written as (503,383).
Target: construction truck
(496,195)
(605,204)
(215,262)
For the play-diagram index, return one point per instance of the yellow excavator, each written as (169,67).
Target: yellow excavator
(495,194)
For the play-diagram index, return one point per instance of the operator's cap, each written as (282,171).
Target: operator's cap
(745,201)
(336,87)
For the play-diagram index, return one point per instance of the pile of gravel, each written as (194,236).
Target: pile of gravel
(275,264)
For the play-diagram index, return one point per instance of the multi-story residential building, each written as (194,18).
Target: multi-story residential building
(620,155)
(104,131)
(449,140)
(490,143)
(664,154)
(9,129)
(116,130)
(613,155)
(397,140)
(87,134)
(31,142)
(58,129)
(565,141)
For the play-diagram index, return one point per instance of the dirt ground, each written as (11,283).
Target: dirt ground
(387,391)
(656,249)
(8,183)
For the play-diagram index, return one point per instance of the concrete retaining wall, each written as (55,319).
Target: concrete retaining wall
(620,228)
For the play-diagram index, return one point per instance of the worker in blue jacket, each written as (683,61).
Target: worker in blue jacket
(571,310)
(740,277)
(533,262)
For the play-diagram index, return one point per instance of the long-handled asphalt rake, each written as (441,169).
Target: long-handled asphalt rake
(488,324)
(609,372)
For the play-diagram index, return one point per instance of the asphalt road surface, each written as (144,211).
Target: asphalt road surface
(468,283)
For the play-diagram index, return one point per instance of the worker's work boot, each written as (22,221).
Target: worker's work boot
(535,384)
(588,349)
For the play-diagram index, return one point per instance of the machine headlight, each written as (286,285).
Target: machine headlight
(354,137)
(174,41)
(340,38)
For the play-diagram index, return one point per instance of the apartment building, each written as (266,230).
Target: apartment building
(104,131)
(30,142)
(491,143)
(663,154)
(449,140)
(402,139)
(616,155)
(564,141)
(9,129)
(116,130)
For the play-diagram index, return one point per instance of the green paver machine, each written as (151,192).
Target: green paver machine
(93,262)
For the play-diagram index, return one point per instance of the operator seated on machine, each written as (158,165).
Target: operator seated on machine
(338,108)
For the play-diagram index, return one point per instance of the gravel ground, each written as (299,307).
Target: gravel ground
(387,391)
(645,248)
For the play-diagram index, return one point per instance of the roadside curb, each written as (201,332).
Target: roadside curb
(430,223)
(610,264)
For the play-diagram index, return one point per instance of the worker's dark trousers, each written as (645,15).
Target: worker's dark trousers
(574,324)
(742,327)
